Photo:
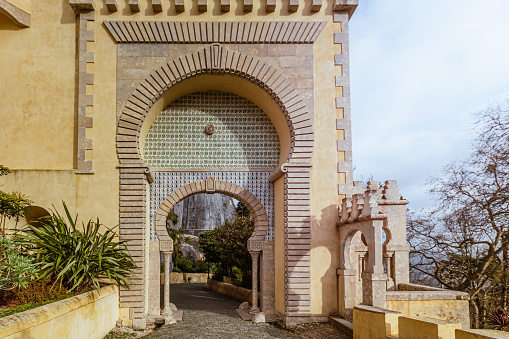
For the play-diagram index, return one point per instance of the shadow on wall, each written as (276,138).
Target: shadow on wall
(325,236)
(36,215)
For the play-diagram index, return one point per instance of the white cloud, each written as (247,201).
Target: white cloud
(418,73)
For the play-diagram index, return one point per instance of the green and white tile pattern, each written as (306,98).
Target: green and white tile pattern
(244,136)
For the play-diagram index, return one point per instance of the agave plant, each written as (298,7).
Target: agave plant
(76,257)
(499,319)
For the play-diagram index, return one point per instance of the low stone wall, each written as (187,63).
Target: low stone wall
(433,303)
(232,291)
(377,323)
(481,334)
(89,315)
(373,322)
(180,278)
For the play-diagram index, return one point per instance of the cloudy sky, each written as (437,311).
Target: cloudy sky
(419,70)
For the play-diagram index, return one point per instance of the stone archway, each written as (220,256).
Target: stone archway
(216,60)
(296,172)
(256,243)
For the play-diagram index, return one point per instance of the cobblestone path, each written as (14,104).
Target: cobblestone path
(208,314)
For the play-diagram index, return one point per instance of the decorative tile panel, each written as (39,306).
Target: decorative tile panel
(243,137)
(257,182)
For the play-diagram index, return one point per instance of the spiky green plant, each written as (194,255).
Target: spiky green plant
(76,257)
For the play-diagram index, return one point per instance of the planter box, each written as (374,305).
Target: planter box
(89,315)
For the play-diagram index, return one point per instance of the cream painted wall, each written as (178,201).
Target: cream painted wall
(279,252)
(324,182)
(24,5)
(37,81)
(38,90)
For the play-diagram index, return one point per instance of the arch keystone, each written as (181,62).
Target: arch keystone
(210,185)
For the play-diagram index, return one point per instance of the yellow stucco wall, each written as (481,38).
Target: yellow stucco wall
(424,328)
(279,252)
(481,334)
(24,5)
(89,315)
(374,325)
(446,310)
(39,127)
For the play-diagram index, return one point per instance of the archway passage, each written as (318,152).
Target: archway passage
(256,244)
(294,127)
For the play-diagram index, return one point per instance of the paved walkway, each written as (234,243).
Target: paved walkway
(208,314)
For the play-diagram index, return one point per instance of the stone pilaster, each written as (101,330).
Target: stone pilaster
(85,11)
(342,102)
(297,243)
(133,229)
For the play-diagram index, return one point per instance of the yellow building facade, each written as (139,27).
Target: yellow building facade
(84,85)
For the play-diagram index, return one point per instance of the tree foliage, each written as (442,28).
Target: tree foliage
(227,245)
(12,205)
(241,210)
(463,243)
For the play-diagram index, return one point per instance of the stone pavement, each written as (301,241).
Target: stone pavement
(208,314)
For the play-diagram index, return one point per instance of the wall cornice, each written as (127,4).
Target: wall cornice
(15,14)
(275,32)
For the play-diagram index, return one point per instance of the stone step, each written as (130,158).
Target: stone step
(342,324)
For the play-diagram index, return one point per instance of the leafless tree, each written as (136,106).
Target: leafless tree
(463,243)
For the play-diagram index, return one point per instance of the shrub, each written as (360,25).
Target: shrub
(227,244)
(186,265)
(16,269)
(499,319)
(75,258)
(172,217)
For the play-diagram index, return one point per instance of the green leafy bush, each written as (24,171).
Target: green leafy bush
(172,217)
(192,266)
(227,245)
(16,269)
(77,258)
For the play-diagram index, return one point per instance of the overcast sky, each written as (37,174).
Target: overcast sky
(419,70)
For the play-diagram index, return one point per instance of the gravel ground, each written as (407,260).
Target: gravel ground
(208,314)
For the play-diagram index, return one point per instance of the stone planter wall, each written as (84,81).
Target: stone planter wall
(179,278)
(421,301)
(232,291)
(86,316)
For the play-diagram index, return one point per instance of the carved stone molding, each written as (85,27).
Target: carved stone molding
(82,5)
(16,15)
(210,185)
(348,6)
(288,32)
(220,61)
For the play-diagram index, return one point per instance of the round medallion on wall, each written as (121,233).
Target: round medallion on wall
(209,129)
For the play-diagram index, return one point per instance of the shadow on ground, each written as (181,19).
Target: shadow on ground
(208,314)
(197,297)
